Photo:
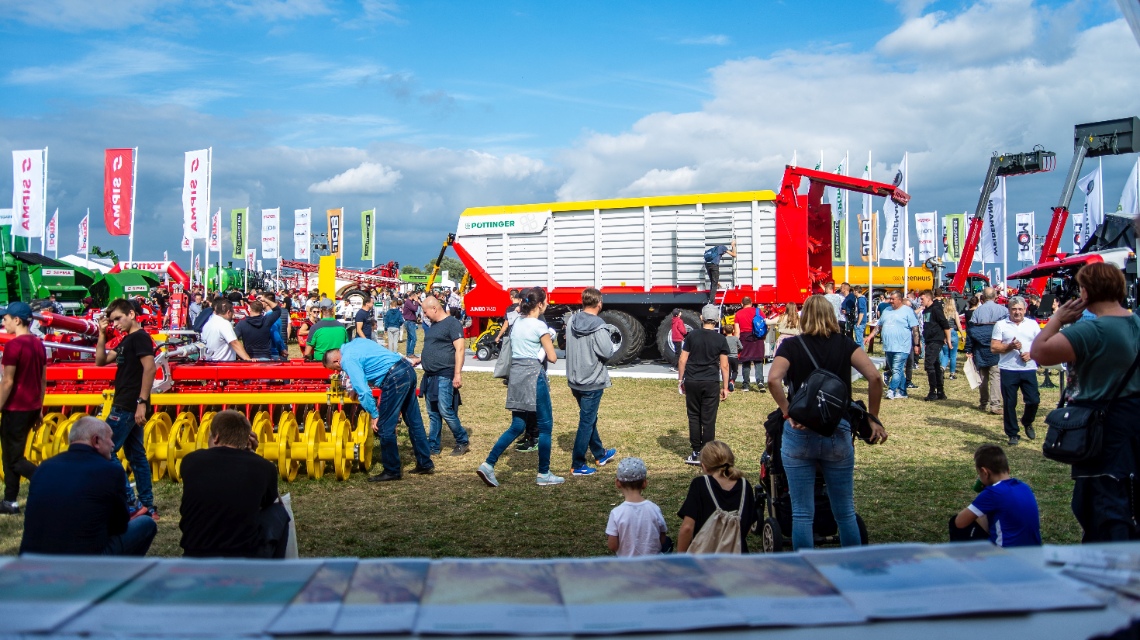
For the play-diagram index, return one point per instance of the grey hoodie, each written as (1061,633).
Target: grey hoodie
(588,347)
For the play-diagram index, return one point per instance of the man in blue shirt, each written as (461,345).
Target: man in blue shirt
(368,365)
(1006,507)
(712,266)
(899,327)
(77,501)
(861,316)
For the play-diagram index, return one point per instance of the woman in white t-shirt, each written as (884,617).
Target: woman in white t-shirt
(528,392)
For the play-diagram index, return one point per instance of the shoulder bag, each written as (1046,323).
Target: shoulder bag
(503,363)
(1076,431)
(821,401)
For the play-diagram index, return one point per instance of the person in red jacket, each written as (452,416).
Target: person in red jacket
(677,333)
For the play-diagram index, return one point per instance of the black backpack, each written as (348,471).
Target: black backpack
(821,401)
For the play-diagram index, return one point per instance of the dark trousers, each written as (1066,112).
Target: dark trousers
(969,534)
(733,368)
(1104,509)
(702,400)
(14,429)
(677,344)
(746,372)
(586,438)
(933,366)
(1011,381)
(135,541)
(910,360)
(273,526)
(714,280)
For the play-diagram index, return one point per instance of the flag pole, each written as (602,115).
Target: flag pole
(874,244)
(847,224)
(87,240)
(372,236)
(1004,238)
(906,230)
(134,197)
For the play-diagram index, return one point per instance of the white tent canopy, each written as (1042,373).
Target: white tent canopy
(102,265)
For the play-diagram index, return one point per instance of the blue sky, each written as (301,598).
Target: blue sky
(422,109)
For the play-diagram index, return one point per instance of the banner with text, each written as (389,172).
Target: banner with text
(251,259)
(868,236)
(28,206)
(270,233)
(894,237)
(53,233)
(238,232)
(118,190)
(336,225)
(925,227)
(84,225)
(1078,232)
(216,232)
(1024,236)
(1129,205)
(302,233)
(993,223)
(1091,186)
(187,244)
(953,235)
(367,225)
(196,194)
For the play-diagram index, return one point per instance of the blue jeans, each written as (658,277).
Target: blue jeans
(802,452)
(545,417)
(410,327)
(135,541)
(587,437)
(896,360)
(398,397)
(860,334)
(125,433)
(949,357)
(444,411)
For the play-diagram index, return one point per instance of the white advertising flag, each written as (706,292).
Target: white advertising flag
(259,265)
(1091,187)
(196,194)
(28,206)
(216,232)
(926,226)
(1130,198)
(302,233)
(993,223)
(5,217)
(270,233)
(186,246)
(1024,236)
(894,236)
(53,232)
(1078,232)
(250,258)
(83,226)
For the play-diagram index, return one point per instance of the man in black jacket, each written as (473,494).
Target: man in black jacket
(979,333)
(935,333)
(77,501)
(256,330)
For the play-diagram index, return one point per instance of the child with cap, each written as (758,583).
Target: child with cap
(636,527)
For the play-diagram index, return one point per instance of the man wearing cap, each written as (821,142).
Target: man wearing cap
(703,375)
(326,334)
(370,365)
(21,399)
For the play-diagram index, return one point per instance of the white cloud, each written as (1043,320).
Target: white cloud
(657,181)
(369,178)
(107,63)
(988,30)
(481,167)
(274,10)
(719,40)
(77,15)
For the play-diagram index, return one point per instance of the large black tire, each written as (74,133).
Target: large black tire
(632,336)
(664,344)
(349,294)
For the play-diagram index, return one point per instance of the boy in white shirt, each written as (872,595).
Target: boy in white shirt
(1012,339)
(636,527)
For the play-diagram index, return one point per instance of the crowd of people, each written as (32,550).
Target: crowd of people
(81,502)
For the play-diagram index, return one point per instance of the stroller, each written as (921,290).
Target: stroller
(774,504)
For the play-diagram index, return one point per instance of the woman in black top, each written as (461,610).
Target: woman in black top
(804,450)
(723,489)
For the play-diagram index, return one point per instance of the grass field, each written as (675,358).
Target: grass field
(905,489)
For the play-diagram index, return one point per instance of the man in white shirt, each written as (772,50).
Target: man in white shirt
(1011,340)
(222,344)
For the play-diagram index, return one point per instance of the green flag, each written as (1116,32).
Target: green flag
(238,232)
(954,234)
(367,219)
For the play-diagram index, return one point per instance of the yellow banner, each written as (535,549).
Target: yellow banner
(336,226)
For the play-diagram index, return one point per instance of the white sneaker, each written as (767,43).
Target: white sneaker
(487,473)
(549,478)
(890,394)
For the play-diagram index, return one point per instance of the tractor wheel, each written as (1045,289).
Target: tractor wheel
(665,329)
(630,339)
(355,297)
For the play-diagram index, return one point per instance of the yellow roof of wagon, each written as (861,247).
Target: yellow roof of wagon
(625,203)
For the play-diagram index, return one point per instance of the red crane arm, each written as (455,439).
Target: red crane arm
(881,189)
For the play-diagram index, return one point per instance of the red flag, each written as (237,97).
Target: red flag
(118,190)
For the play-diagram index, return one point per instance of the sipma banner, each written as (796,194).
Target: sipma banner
(118,190)
(196,194)
(28,207)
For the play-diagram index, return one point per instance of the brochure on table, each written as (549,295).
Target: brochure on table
(40,593)
(383,597)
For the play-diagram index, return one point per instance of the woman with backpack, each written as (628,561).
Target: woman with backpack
(720,508)
(822,348)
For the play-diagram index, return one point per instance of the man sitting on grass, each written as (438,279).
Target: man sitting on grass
(1006,508)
